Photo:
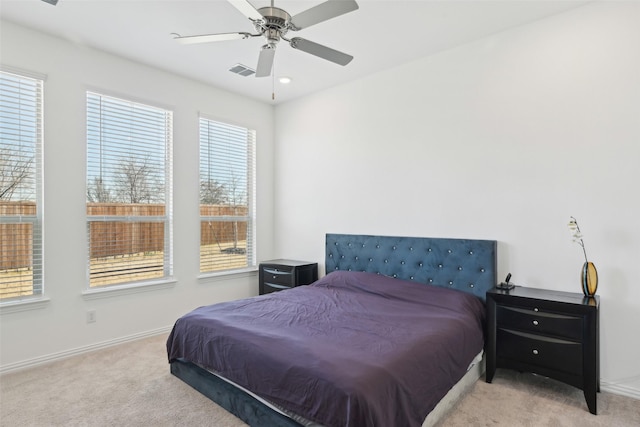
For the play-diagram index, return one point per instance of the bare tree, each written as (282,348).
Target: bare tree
(135,182)
(212,193)
(14,170)
(97,191)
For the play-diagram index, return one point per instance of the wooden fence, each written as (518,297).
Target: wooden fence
(16,239)
(116,238)
(219,232)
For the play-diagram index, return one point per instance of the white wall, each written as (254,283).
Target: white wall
(504,138)
(60,328)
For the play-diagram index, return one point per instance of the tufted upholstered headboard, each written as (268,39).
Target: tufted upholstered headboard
(465,265)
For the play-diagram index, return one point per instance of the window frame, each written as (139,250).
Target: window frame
(250,217)
(167,279)
(37,299)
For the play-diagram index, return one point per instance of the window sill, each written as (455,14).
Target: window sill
(114,291)
(227,275)
(23,305)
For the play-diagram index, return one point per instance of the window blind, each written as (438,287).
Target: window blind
(227,196)
(129,167)
(20,186)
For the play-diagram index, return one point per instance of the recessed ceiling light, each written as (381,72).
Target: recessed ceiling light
(285,80)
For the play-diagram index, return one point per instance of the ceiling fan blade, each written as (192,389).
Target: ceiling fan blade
(265,61)
(207,38)
(322,12)
(53,2)
(320,51)
(246,9)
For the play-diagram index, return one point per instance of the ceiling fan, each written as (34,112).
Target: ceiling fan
(274,23)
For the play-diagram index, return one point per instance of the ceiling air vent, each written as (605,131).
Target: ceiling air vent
(243,70)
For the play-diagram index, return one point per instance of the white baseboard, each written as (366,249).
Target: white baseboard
(619,389)
(36,361)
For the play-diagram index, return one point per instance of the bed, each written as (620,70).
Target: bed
(367,344)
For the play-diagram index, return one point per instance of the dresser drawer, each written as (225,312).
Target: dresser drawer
(560,355)
(280,275)
(273,287)
(531,320)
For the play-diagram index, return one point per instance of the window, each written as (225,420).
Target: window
(129,152)
(20,186)
(227,190)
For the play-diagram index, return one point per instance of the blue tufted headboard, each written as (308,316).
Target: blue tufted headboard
(465,265)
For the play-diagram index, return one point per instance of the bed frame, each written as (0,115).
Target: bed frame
(465,265)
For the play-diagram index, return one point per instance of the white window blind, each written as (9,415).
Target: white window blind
(129,173)
(20,186)
(227,196)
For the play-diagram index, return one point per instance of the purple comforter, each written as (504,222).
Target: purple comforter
(352,349)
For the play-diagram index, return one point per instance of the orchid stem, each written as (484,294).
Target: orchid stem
(575,221)
(584,250)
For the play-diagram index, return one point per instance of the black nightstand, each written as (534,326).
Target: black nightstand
(551,333)
(279,274)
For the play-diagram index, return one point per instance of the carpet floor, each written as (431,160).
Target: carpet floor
(130,385)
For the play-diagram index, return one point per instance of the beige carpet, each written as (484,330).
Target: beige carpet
(523,399)
(130,385)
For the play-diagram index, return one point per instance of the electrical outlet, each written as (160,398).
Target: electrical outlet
(91,316)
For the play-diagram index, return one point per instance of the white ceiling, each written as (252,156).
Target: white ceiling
(380,35)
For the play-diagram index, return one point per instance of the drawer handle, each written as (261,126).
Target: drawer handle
(535,322)
(276,286)
(536,309)
(276,271)
(535,351)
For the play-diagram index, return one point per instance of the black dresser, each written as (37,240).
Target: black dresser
(551,333)
(279,274)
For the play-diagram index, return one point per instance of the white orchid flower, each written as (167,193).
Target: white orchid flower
(577,235)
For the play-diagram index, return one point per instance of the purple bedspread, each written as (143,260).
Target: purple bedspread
(352,349)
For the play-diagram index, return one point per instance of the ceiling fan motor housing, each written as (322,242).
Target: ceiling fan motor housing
(276,23)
